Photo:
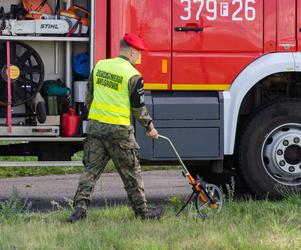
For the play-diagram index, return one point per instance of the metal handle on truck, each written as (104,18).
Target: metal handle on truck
(184,29)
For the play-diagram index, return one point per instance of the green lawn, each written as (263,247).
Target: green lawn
(39,171)
(6,172)
(240,225)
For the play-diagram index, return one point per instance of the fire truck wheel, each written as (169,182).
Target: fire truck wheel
(270,150)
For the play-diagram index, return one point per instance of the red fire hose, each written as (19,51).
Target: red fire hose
(9,115)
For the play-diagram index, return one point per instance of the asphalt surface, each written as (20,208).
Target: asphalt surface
(109,190)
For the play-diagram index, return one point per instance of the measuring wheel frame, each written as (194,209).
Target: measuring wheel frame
(205,208)
(207,198)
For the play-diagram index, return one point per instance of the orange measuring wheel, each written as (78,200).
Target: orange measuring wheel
(207,198)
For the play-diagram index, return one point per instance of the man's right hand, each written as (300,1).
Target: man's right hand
(153,133)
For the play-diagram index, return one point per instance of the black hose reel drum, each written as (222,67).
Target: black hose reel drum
(27,76)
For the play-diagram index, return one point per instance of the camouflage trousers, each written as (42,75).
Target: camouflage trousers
(105,142)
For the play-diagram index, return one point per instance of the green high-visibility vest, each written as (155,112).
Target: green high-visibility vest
(111,97)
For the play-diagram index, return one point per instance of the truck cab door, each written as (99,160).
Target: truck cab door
(213,40)
(298,26)
(286,25)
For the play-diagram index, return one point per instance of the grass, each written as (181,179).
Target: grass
(6,172)
(240,225)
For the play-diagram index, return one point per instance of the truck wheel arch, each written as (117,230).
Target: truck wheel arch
(233,98)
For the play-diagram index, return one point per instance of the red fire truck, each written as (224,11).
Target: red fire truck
(222,78)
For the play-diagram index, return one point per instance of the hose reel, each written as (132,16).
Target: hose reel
(27,76)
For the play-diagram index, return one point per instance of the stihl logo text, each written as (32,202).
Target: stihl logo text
(49,26)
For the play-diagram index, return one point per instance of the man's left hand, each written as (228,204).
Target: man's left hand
(153,133)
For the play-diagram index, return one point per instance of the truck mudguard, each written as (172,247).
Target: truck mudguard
(262,67)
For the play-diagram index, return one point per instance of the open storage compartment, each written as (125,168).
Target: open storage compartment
(45,57)
(37,60)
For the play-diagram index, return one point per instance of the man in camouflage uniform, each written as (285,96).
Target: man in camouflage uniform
(109,133)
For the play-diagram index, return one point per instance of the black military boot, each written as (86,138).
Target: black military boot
(78,214)
(152,213)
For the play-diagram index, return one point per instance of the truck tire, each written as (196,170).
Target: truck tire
(270,150)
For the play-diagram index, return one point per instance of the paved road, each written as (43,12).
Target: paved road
(159,187)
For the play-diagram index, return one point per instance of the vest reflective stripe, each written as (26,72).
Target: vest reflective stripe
(110,108)
(111,98)
(109,119)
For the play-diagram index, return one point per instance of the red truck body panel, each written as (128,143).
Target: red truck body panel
(216,55)
(100,33)
(235,33)
(298,26)
(270,26)
(152,20)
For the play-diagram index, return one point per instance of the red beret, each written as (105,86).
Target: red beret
(135,41)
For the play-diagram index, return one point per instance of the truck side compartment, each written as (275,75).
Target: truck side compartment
(193,121)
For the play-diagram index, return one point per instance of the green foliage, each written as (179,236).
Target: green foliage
(175,202)
(37,171)
(230,195)
(40,171)
(13,207)
(287,191)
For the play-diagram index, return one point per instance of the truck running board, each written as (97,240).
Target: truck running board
(41,164)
